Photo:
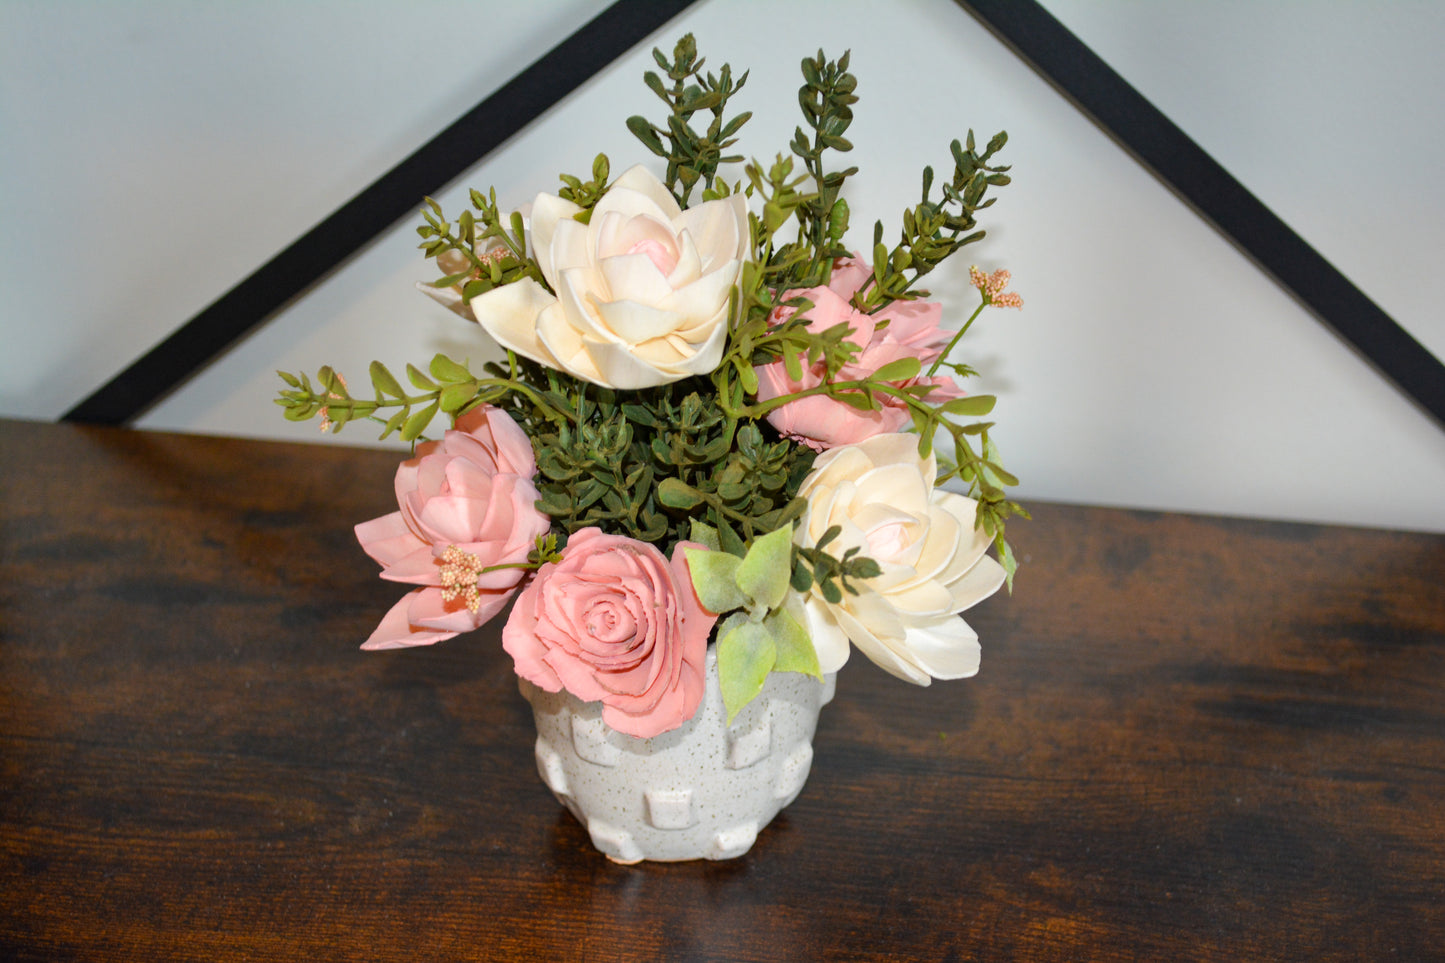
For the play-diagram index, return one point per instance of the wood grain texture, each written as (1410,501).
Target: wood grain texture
(1192,739)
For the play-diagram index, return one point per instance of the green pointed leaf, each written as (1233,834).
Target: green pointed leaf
(703,534)
(675,493)
(745,655)
(384,381)
(455,397)
(714,578)
(413,374)
(795,652)
(972,406)
(417,423)
(445,369)
(767,568)
(394,423)
(290,379)
(900,370)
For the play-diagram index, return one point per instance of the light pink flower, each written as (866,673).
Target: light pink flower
(615,622)
(911,331)
(467,503)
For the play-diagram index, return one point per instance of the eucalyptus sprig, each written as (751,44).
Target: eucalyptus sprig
(691,156)
(933,230)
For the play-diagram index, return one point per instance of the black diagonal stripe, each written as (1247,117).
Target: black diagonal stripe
(397,194)
(1077,72)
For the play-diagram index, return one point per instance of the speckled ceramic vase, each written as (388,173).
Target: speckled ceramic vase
(702,791)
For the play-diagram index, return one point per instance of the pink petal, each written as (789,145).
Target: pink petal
(396,631)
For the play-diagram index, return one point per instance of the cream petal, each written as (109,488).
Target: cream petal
(689,262)
(926,599)
(617,234)
(945,649)
(548,212)
(633,277)
(619,367)
(636,323)
(449,298)
(568,350)
(879,652)
(701,300)
(708,354)
(576,293)
(719,228)
(570,248)
(510,314)
(830,641)
(981,581)
(642,181)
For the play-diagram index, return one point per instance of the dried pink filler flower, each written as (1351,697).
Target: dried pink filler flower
(467,505)
(992,286)
(615,621)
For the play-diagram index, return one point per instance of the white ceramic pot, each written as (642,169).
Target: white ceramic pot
(702,791)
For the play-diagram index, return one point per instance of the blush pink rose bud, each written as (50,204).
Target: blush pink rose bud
(912,331)
(614,621)
(466,503)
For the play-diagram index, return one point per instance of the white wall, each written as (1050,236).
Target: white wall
(1153,366)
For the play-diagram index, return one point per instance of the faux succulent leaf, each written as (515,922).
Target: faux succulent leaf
(794,649)
(714,578)
(746,653)
(765,571)
(703,534)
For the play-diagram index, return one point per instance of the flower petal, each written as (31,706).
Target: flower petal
(510,314)
(396,630)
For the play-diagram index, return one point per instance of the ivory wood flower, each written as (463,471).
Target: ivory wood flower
(880,493)
(642,290)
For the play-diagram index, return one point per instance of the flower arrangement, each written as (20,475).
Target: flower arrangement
(714,423)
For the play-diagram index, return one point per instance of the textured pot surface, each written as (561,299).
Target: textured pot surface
(702,791)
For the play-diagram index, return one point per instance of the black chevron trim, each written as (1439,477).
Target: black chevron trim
(1101,94)
(395,195)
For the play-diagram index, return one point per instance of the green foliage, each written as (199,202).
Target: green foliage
(696,459)
(651,464)
(691,156)
(761,635)
(934,230)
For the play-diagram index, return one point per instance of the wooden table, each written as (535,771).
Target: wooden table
(1193,739)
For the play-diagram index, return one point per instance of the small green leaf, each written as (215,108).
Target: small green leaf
(394,423)
(417,423)
(384,381)
(746,653)
(900,370)
(413,374)
(972,406)
(714,578)
(675,493)
(703,534)
(456,396)
(445,369)
(290,379)
(795,652)
(767,568)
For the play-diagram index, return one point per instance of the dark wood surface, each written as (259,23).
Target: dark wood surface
(1192,739)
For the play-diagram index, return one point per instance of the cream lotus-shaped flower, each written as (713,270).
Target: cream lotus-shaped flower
(881,494)
(642,289)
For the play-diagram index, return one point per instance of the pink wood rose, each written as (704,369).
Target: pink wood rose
(615,621)
(466,503)
(912,331)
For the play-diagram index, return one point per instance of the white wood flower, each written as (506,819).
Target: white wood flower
(881,494)
(642,288)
